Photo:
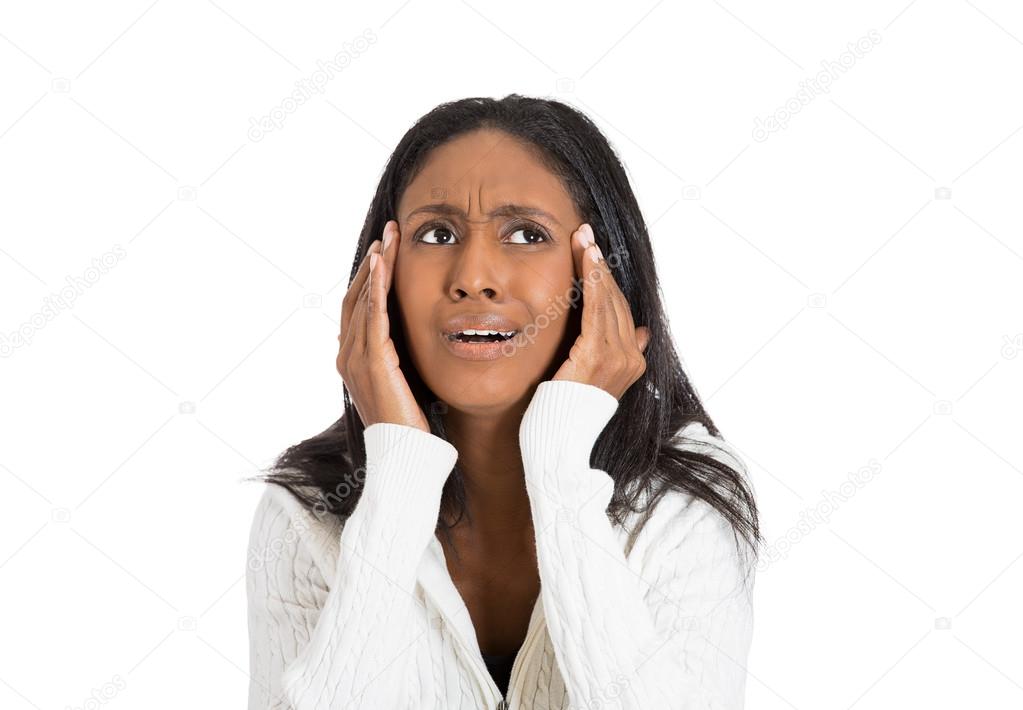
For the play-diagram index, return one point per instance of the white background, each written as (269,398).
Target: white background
(837,309)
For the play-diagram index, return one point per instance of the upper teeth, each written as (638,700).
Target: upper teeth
(505,333)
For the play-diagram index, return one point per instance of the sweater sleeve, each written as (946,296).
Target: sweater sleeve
(671,633)
(285,593)
(355,652)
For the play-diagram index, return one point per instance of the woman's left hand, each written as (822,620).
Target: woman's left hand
(609,350)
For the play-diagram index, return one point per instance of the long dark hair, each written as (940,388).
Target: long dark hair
(640,448)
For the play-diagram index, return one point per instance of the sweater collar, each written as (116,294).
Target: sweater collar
(434,578)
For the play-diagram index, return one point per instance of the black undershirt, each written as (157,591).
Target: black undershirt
(500,668)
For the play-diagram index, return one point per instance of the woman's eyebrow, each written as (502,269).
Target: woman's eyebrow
(507,210)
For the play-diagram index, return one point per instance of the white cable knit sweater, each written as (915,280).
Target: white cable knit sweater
(365,614)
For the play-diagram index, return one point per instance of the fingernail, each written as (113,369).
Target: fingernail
(586,235)
(388,234)
(373,261)
(595,254)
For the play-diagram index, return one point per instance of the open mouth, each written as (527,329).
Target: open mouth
(481,336)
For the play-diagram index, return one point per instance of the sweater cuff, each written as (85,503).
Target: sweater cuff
(562,423)
(405,465)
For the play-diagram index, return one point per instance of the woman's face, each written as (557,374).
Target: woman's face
(469,248)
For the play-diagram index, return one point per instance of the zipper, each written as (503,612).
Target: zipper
(447,588)
(503,701)
(440,586)
(519,660)
(485,678)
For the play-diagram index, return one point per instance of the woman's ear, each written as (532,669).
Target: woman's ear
(642,337)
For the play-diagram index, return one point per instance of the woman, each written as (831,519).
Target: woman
(447,542)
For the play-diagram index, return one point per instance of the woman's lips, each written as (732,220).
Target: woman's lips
(480,351)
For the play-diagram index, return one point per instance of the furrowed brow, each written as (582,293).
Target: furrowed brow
(508,210)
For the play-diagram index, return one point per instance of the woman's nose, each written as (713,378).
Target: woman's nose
(479,268)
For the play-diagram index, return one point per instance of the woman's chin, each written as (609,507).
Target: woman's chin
(478,393)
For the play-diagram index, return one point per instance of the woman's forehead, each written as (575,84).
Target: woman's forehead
(479,175)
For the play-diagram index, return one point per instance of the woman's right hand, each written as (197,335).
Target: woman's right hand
(366,359)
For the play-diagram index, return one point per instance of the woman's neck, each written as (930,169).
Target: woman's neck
(491,462)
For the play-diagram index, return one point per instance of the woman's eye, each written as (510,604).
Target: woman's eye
(443,234)
(532,235)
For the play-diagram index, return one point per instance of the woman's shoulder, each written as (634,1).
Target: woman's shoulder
(282,526)
(673,522)
(688,541)
(694,436)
